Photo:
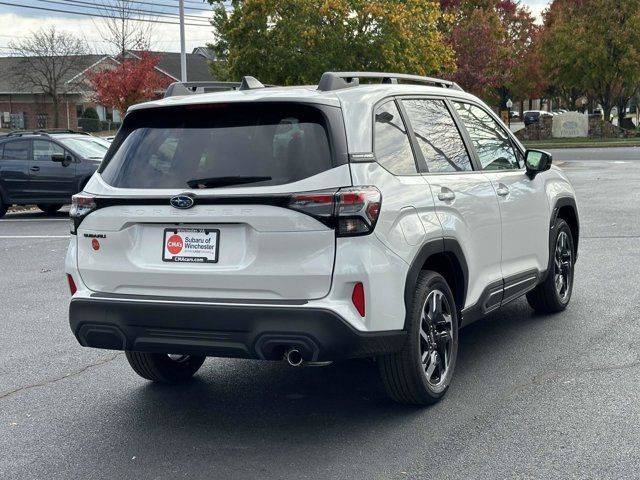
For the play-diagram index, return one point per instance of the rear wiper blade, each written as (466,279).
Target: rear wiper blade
(224,181)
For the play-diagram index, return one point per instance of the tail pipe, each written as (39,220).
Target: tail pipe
(293,357)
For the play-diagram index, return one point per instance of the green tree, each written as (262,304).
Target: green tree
(294,41)
(592,46)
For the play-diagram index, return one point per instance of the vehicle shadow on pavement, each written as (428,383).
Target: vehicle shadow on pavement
(234,394)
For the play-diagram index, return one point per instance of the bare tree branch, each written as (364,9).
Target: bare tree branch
(121,30)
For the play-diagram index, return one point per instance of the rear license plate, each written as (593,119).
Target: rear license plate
(191,245)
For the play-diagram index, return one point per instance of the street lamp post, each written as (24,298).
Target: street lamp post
(183,54)
(509,105)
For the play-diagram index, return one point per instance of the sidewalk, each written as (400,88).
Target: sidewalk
(583,143)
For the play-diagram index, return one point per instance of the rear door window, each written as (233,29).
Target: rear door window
(437,135)
(218,145)
(16,150)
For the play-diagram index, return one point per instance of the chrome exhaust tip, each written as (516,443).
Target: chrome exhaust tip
(293,357)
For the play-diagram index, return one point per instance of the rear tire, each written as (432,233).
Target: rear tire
(49,207)
(420,374)
(3,208)
(553,295)
(163,368)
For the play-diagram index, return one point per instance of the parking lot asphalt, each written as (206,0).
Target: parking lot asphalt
(533,396)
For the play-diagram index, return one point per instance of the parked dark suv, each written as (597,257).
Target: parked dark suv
(533,116)
(46,168)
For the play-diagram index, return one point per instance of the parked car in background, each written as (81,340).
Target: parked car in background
(533,116)
(46,167)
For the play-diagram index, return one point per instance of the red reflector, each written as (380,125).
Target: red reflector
(72,284)
(301,198)
(357,297)
(352,198)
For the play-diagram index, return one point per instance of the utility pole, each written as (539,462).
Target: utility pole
(183,53)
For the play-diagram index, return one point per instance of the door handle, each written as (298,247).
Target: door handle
(446,195)
(35,169)
(502,190)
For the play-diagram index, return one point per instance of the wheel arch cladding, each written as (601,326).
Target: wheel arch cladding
(445,257)
(566,209)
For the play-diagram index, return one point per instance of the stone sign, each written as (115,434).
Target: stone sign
(570,125)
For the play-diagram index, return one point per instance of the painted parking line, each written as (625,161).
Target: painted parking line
(33,236)
(66,219)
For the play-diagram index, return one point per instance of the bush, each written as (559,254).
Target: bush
(90,113)
(89,124)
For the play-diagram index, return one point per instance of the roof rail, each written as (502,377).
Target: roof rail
(191,88)
(338,80)
(45,132)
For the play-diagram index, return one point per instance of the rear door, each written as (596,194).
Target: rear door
(239,164)
(50,180)
(14,168)
(465,200)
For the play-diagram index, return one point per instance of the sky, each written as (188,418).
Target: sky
(17,20)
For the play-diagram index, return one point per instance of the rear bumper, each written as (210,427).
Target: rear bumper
(240,331)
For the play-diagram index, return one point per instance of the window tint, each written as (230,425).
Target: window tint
(217,145)
(392,147)
(491,141)
(43,149)
(437,135)
(16,150)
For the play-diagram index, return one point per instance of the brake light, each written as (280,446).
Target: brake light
(357,297)
(72,285)
(351,211)
(81,206)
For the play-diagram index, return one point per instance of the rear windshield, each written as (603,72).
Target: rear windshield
(218,145)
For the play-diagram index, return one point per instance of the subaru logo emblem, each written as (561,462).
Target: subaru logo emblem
(182,201)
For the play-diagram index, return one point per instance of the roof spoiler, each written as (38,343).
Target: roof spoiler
(339,80)
(192,88)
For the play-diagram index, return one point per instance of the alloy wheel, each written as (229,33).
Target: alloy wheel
(563,265)
(436,338)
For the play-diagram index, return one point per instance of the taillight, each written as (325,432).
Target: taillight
(81,206)
(351,211)
(357,298)
(72,285)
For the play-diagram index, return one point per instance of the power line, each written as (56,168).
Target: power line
(18,37)
(44,9)
(107,8)
(117,13)
(171,6)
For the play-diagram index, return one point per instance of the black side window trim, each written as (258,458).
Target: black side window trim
(421,162)
(457,122)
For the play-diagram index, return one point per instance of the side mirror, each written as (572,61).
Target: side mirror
(537,161)
(65,160)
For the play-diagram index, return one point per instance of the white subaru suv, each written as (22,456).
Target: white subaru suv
(371,216)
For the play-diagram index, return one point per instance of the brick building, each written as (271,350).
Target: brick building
(22,107)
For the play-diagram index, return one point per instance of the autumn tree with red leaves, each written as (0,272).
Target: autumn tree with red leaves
(494,41)
(132,81)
